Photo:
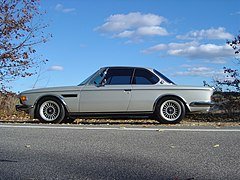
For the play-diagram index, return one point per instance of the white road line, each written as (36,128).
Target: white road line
(119,128)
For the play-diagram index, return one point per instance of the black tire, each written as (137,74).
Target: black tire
(50,110)
(170,110)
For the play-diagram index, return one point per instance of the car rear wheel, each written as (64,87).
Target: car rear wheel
(170,110)
(50,110)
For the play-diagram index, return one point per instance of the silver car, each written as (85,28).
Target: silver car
(117,91)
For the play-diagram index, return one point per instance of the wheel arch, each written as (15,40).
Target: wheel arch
(59,98)
(171,96)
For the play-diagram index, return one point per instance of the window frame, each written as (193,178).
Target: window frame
(120,68)
(147,70)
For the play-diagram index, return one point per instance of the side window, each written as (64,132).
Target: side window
(143,76)
(97,80)
(119,76)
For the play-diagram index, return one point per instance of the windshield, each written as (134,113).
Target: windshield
(88,79)
(163,77)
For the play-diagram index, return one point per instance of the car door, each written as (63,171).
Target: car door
(144,92)
(110,93)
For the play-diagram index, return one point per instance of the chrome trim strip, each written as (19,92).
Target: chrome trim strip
(104,114)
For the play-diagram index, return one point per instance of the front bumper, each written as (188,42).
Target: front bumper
(23,107)
(27,108)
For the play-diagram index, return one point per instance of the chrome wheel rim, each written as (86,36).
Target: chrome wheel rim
(49,110)
(170,110)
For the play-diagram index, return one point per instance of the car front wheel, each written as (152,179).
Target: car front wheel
(50,110)
(170,110)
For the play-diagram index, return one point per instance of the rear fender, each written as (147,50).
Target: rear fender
(171,95)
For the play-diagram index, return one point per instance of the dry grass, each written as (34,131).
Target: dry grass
(7,108)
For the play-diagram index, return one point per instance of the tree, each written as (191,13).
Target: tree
(232,80)
(235,44)
(20,30)
(229,101)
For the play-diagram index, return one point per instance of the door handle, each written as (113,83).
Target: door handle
(127,90)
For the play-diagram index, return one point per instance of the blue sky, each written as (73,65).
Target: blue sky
(185,40)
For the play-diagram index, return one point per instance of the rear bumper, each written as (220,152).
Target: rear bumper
(202,104)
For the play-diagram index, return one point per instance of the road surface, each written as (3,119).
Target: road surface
(114,152)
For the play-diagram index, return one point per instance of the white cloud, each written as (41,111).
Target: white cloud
(199,71)
(158,47)
(170,46)
(235,13)
(204,51)
(194,50)
(55,68)
(61,8)
(212,33)
(133,25)
(151,31)
(125,34)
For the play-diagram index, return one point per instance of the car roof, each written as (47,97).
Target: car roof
(127,67)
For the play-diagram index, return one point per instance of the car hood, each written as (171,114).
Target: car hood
(53,89)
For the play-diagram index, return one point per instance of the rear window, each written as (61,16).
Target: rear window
(143,76)
(163,77)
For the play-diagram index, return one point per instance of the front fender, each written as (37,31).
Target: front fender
(60,98)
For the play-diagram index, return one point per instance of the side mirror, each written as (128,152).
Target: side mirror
(104,81)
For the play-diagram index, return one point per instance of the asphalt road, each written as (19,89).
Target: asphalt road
(89,152)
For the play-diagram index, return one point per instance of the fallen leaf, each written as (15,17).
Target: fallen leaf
(216,145)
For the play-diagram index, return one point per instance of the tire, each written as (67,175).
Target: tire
(170,110)
(50,110)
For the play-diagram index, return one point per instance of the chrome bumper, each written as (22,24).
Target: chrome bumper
(25,108)
(202,104)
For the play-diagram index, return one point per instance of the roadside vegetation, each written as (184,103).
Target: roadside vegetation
(7,107)
(21,29)
(227,109)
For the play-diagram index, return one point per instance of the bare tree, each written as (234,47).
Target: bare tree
(20,30)
(229,101)
(235,44)
(232,80)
